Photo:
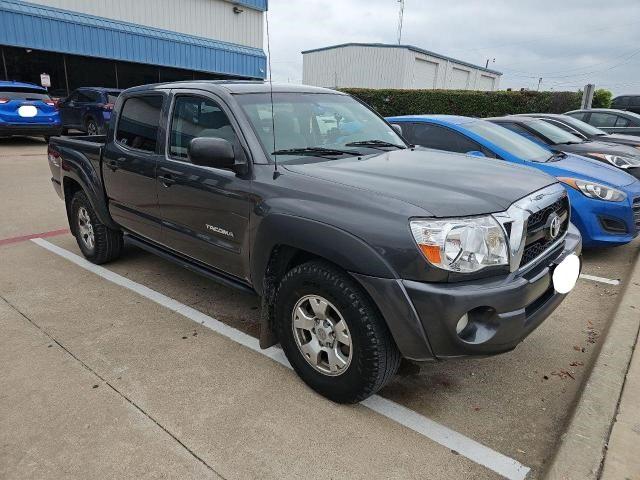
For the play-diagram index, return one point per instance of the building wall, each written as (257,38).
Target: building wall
(203,18)
(383,67)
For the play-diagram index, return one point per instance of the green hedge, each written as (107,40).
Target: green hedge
(465,102)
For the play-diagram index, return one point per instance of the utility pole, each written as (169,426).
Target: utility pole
(400,19)
(486,65)
(539,82)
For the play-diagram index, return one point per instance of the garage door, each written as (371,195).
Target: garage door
(459,79)
(485,83)
(424,74)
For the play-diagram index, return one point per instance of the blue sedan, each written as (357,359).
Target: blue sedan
(26,109)
(605,201)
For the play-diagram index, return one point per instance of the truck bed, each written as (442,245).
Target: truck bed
(75,150)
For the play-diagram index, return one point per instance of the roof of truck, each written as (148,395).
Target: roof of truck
(240,86)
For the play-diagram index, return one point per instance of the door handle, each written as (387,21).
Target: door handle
(167,180)
(113,165)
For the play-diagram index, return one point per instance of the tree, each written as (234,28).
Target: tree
(602,98)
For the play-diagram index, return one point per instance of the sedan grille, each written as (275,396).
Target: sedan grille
(636,212)
(543,232)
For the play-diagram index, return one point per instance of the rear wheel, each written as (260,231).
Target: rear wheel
(98,243)
(332,334)
(92,127)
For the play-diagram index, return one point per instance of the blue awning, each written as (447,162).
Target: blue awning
(38,27)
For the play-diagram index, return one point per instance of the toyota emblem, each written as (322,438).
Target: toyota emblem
(554,227)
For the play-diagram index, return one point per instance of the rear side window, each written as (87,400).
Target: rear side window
(441,138)
(139,121)
(23,94)
(622,122)
(620,101)
(578,115)
(197,117)
(599,119)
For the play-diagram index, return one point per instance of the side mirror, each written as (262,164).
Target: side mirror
(211,152)
(397,128)
(476,153)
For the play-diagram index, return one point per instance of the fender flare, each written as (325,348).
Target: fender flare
(323,240)
(78,168)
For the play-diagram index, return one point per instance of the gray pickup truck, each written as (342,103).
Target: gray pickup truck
(364,249)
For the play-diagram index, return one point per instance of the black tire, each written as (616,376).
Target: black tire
(375,356)
(107,243)
(91,127)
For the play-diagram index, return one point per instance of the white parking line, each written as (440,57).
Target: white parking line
(478,453)
(593,278)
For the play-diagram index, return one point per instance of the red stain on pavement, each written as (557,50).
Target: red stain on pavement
(24,238)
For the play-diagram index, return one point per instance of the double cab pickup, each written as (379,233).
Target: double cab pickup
(363,248)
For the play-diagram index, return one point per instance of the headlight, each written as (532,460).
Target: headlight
(595,190)
(461,244)
(620,161)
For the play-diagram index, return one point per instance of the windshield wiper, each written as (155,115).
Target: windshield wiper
(316,151)
(375,144)
(556,156)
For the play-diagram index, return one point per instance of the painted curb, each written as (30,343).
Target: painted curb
(583,446)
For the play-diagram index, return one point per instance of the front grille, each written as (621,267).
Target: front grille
(537,240)
(636,212)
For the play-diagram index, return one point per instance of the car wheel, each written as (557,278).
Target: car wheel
(92,127)
(98,243)
(332,333)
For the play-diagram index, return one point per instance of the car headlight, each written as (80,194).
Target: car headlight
(620,161)
(594,190)
(461,244)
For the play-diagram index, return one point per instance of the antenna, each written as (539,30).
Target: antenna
(273,118)
(400,19)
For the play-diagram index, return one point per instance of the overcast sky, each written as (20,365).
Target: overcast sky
(566,42)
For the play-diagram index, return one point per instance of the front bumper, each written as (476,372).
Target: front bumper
(30,130)
(422,317)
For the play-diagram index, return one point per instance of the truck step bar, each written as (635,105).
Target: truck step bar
(218,277)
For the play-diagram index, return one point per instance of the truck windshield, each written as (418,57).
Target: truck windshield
(317,121)
(509,141)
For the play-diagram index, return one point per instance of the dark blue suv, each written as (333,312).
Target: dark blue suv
(88,109)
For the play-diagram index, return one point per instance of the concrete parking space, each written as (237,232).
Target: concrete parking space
(176,399)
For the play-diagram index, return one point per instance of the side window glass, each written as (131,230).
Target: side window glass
(139,121)
(599,119)
(579,116)
(82,97)
(622,122)
(93,97)
(197,117)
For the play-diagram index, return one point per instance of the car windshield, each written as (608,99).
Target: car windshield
(325,123)
(553,133)
(582,127)
(23,93)
(509,141)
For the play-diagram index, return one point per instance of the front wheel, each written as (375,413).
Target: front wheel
(332,333)
(98,243)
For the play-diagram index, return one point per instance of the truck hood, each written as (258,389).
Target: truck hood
(586,168)
(444,184)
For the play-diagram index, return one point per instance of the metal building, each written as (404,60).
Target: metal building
(122,43)
(376,65)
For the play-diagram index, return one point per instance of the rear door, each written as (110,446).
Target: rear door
(129,164)
(205,211)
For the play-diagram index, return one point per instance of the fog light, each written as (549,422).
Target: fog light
(462,324)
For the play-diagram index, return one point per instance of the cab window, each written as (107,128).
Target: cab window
(139,122)
(194,117)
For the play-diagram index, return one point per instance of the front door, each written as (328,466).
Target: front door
(205,211)
(129,165)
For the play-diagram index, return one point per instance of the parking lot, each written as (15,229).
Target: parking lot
(132,370)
